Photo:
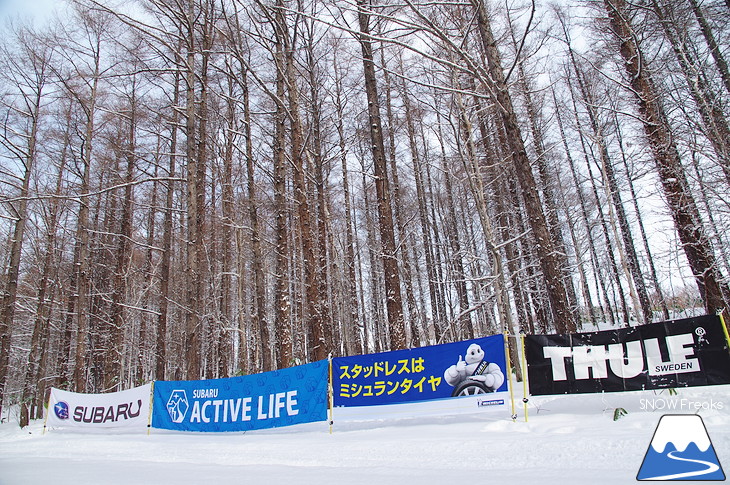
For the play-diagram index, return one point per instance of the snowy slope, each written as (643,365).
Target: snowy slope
(568,439)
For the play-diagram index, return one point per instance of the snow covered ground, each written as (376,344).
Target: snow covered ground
(568,439)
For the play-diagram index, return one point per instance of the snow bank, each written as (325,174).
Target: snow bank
(568,439)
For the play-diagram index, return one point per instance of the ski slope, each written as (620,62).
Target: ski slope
(567,439)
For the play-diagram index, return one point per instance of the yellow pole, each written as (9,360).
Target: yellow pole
(724,327)
(152,400)
(509,373)
(48,410)
(330,393)
(525,391)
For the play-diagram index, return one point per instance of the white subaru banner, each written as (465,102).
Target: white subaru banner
(124,409)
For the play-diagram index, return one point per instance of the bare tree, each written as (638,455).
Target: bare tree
(81,79)
(28,71)
(687,220)
(549,259)
(394,303)
(712,44)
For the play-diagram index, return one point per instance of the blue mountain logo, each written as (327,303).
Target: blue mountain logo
(681,450)
(177,405)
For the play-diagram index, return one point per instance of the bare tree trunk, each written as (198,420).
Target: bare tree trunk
(497,177)
(437,305)
(317,348)
(353,341)
(261,325)
(613,265)
(225,343)
(204,303)
(375,267)
(102,230)
(712,44)
(394,303)
(81,297)
(632,260)
(322,269)
(711,114)
(411,313)
(194,213)
(438,247)
(247,358)
(282,339)
(587,298)
(549,259)
(160,354)
(684,210)
(65,366)
(640,221)
(715,232)
(113,364)
(10,293)
(604,223)
(582,276)
(452,236)
(546,177)
(143,358)
(536,299)
(39,340)
(476,185)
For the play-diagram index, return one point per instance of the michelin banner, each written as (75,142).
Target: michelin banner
(124,409)
(272,399)
(678,353)
(468,368)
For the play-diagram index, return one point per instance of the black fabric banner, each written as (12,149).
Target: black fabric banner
(676,353)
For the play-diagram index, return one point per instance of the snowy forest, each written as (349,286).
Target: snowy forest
(206,188)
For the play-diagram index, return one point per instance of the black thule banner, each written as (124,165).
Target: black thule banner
(677,353)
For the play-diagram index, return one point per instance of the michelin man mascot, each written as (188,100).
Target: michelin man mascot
(473,374)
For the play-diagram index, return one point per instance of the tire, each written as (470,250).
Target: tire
(470,388)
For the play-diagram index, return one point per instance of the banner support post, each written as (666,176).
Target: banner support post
(152,397)
(48,410)
(509,373)
(724,326)
(525,389)
(330,394)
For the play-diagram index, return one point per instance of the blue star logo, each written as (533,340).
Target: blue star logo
(61,410)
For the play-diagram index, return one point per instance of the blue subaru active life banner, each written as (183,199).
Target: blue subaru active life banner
(272,399)
(440,371)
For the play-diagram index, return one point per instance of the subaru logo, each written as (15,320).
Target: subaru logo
(61,410)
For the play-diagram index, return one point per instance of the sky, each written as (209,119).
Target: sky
(35,10)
